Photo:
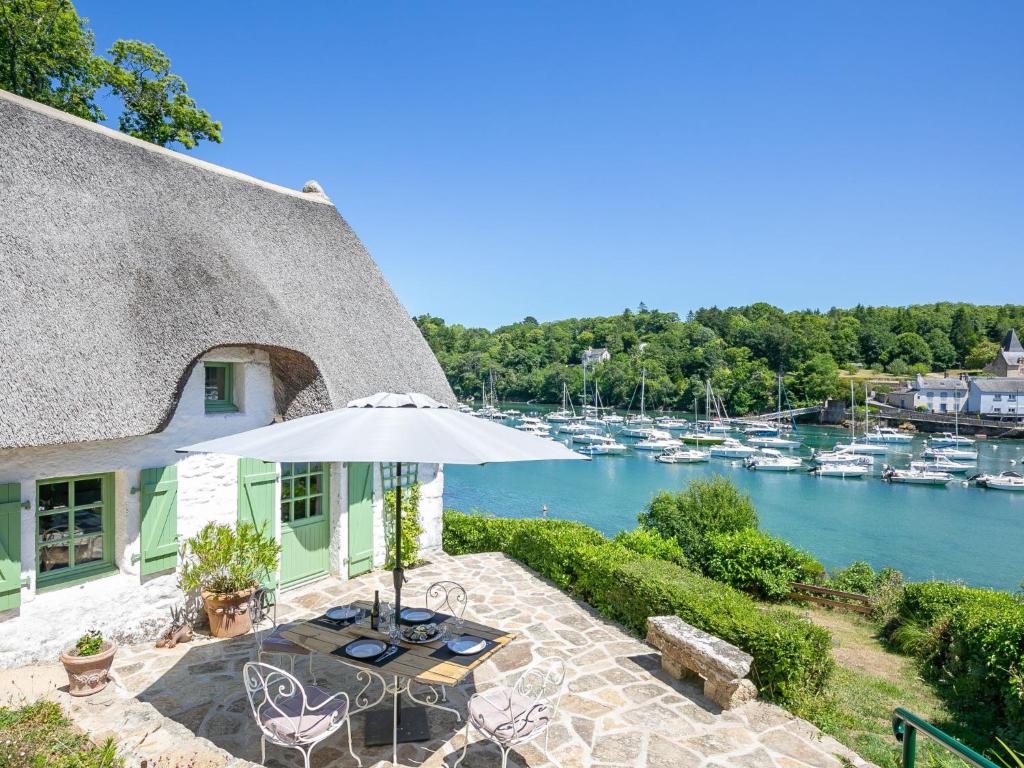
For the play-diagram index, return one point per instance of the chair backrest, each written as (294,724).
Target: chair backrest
(542,682)
(268,689)
(263,608)
(446,597)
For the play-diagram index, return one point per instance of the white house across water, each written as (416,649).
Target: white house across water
(152,301)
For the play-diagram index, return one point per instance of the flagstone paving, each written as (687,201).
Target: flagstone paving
(619,709)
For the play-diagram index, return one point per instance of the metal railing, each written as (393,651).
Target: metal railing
(905,727)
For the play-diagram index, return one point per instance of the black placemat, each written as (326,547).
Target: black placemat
(443,654)
(324,621)
(372,661)
(438,618)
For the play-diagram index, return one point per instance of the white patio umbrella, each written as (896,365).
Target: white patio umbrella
(387,427)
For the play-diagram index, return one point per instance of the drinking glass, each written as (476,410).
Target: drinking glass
(394,629)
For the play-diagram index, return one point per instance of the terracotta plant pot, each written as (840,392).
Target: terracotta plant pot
(88,674)
(228,614)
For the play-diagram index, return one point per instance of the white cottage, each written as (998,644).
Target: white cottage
(151,301)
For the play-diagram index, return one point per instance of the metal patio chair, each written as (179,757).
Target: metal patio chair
(513,715)
(263,611)
(446,597)
(292,716)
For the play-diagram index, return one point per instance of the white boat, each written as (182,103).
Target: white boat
(732,448)
(956,454)
(682,456)
(942,464)
(670,422)
(949,440)
(863,448)
(637,431)
(612,418)
(567,413)
(591,438)
(603,449)
(842,455)
(575,428)
(533,426)
(840,470)
(888,436)
(1004,481)
(774,442)
(916,476)
(761,430)
(463,408)
(714,425)
(770,460)
(658,440)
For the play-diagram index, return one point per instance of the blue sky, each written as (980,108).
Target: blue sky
(565,159)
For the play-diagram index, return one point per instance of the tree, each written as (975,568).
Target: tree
(47,55)
(981,354)
(913,349)
(963,332)
(816,379)
(943,352)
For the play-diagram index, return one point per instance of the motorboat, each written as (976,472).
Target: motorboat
(771,460)
(637,431)
(612,418)
(916,476)
(954,453)
(561,417)
(761,430)
(603,449)
(731,448)
(714,425)
(682,456)
(575,428)
(840,470)
(842,455)
(1004,481)
(533,426)
(592,438)
(769,441)
(948,440)
(863,448)
(942,464)
(670,422)
(888,436)
(658,440)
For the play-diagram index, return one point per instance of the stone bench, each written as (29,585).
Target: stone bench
(686,650)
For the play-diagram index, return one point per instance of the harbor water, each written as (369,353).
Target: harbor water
(970,534)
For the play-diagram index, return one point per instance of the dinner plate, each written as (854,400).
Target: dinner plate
(418,615)
(365,648)
(467,645)
(342,612)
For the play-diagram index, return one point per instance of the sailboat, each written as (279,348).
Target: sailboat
(773,441)
(855,445)
(947,440)
(639,426)
(564,415)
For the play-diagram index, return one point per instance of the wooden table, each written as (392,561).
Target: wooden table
(415,665)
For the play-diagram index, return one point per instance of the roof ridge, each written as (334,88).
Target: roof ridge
(111,133)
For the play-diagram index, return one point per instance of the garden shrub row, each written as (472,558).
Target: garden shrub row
(974,646)
(792,658)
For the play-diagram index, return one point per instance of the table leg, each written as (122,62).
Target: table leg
(395,716)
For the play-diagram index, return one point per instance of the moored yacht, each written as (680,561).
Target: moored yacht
(658,440)
(840,470)
(842,455)
(731,448)
(916,476)
(682,456)
(1004,481)
(771,460)
(888,436)
(603,449)
(948,440)
(954,453)
(942,464)
(774,442)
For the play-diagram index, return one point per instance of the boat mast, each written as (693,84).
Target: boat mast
(853,415)
(643,391)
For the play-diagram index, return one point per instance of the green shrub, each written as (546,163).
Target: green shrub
(791,656)
(703,508)
(411,528)
(758,563)
(929,603)
(645,541)
(861,578)
(89,644)
(226,559)
(40,734)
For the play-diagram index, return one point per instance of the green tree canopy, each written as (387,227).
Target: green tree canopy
(47,55)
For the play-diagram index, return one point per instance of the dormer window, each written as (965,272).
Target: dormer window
(219,387)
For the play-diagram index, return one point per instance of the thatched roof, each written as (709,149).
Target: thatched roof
(121,263)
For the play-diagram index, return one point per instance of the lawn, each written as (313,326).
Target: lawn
(869,683)
(39,735)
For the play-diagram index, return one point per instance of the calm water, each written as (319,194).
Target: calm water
(972,534)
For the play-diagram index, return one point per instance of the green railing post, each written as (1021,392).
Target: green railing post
(906,724)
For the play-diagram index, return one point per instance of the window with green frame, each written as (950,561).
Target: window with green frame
(74,528)
(302,491)
(219,387)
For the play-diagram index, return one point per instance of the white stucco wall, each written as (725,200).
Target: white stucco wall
(123,605)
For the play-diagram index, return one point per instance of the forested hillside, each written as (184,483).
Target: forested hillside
(740,349)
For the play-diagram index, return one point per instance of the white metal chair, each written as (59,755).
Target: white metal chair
(446,597)
(290,715)
(263,610)
(510,716)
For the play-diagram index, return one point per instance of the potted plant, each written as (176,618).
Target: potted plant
(88,663)
(226,565)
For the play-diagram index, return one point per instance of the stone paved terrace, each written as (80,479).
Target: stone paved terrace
(619,709)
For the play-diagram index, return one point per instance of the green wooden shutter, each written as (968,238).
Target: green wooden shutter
(159,529)
(10,546)
(360,518)
(257,500)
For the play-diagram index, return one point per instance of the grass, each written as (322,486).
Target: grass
(870,681)
(39,735)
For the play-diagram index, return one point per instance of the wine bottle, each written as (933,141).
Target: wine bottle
(375,611)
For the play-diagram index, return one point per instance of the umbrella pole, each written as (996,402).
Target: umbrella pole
(399,576)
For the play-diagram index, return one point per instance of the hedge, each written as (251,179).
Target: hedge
(759,563)
(975,648)
(792,657)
